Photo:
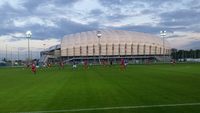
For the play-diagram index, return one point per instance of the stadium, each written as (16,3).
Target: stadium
(108,45)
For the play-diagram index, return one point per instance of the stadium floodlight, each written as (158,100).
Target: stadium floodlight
(6,52)
(18,54)
(28,36)
(154,46)
(99,37)
(163,34)
(99,34)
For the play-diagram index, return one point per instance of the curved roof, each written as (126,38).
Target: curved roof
(110,37)
(53,47)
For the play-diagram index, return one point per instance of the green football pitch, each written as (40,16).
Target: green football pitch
(139,89)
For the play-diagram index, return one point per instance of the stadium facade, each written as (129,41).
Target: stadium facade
(112,44)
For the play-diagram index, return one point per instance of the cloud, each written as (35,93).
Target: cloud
(15,4)
(33,20)
(148,28)
(31,5)
(96,12)
(55,18)
(183,17)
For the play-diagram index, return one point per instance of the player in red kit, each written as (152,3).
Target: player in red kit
(122,64)
(33,68)
(61,65)
(85,64)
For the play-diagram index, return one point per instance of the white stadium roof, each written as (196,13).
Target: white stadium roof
(111,37)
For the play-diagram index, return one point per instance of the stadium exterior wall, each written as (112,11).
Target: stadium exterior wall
(112,43)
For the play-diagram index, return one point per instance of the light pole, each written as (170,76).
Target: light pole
(99,37)
(6,52)
(11,54)
(28,36)
(154,46)
(18,54)
(163,34)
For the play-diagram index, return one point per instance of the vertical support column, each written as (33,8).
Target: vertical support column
(113,49)
(125,49)
(119,50)
(93,50)
(87,50)
(150,50)
(80,51)
(131,49)
(144,49)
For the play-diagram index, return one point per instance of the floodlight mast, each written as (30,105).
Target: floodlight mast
(28,36)
(99,37)
(6,52)
(163,34)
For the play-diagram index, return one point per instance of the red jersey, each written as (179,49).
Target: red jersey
(85,62)
(33,67)
(122,62)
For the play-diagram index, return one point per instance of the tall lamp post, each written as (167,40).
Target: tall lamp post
(154,51)
(6,52)
(163,34)
(11,57)
(99,37)
(28,36)
(18,54)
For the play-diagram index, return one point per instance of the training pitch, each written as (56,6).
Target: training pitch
(139,89)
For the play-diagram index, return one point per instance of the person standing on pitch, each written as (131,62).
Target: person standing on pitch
(74,65)
(33,68)
(85,64)
(111,62)
(122,64)
(61,65)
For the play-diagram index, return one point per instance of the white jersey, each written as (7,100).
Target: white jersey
(74,66)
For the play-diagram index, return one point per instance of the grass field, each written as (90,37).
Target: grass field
(102,87)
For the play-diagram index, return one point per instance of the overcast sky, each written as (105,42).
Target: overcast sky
(50,20)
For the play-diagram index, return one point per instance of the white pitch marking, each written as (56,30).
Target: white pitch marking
(113,108)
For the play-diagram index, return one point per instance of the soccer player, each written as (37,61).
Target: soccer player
(61,65)
(33,68)
(122,64)
(49,65)
(74,65)
(104,62)
(85,64)
(111,62)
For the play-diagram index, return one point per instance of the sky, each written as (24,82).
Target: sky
(50,20)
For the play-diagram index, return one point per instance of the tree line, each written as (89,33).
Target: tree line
(184,54)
